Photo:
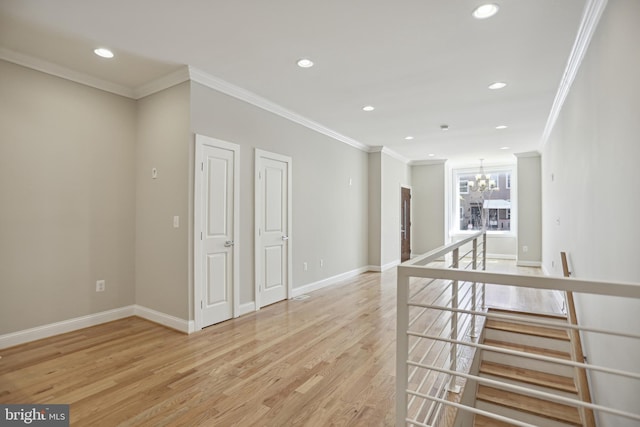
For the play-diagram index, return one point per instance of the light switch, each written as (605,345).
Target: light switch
(154,173)
(176,221)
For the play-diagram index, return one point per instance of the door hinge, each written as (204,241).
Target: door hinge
(259,175)
(201,235)
(201,305)
(202,166)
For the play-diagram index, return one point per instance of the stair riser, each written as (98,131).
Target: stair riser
(537,365)
(521,416)
(531,386)
(528,340)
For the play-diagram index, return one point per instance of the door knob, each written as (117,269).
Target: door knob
(229,243)
(285,237)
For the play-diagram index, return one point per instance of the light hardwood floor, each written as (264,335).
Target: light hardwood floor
(326,360)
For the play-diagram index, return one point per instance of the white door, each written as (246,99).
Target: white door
(273,236)
(216,230)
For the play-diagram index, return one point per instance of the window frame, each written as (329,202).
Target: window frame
(454,213)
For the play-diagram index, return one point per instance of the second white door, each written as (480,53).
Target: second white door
(273,237)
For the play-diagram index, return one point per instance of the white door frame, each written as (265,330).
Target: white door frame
(201,141)
(258,212)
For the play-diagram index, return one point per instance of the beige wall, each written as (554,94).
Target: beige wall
(67,204)
(428,205)
(589,175)
(529,222)
(162,251)
(330,218)
(395,174)
(375,209)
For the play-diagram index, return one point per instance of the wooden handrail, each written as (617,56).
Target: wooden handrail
(588,419)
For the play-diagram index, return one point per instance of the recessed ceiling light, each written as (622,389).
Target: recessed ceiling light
(485,11)
(431,155)
(408,138)
(497,85)
(368,108)
(104,53)
(305,63)
(444,127)
(504,148)
(501,127)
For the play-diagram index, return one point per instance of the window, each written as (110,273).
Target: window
(482,201)
(464,187)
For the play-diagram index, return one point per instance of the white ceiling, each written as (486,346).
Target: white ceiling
(421,63)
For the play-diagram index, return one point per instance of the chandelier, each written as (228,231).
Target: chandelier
(483,181)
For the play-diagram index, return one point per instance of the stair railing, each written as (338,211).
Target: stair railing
(425,370)
(577,354)
(468,253)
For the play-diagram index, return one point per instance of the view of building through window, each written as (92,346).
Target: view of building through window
(484,201)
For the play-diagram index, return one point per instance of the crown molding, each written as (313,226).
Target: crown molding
(389,152)
(63,72)
(590,18)
(428,162)
(237,92)
(179,76)
(527,154)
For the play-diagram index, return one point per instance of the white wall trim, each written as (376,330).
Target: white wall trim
(63,72)
(501,256)
(179,76)
(527,154)
(381,268)
(237,92)
(310,287)
(181,325)
(427,162)
(389,152)
(529,263)
(591,16)
(246,308)
(57,328)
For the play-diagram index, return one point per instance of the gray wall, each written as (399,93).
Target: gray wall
(375,209)
(529,209)
(329,215)
(162,252)
(67,199)
(394,175)
(590,169)
(428,205)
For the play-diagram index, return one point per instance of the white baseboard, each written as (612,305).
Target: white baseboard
(328,281)
(501,256)
(45,331)
(529,263)
(57,328)
(381,268)
(186,326)
(246,308)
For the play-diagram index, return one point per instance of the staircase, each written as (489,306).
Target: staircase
(532,374)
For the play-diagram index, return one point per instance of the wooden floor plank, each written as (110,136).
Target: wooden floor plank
(528,376)
(326,360)
(532,405)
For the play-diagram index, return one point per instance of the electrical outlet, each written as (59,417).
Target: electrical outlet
(525,249)
(305,266)
(321,263)
(101,285)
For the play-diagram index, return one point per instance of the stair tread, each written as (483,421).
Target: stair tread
(528,349)
(534,330)
(498,310)
(529,404)
(482,421)
(529,376)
